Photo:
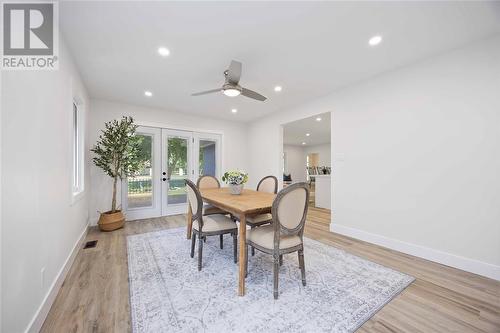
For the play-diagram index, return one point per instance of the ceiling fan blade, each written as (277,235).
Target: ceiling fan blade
(206,92)
(234,72)
(252,94)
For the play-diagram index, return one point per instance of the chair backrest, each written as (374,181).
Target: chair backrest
(208,181)
(290,211)
(195,201)
(268,184)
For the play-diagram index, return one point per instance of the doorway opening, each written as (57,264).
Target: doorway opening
(307,157)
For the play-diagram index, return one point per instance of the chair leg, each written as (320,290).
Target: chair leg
(281,260)
(246,262)
(253,248)
(302,267)
(221,242)
(235,247)
(276,269)
(193,242)
(200,250)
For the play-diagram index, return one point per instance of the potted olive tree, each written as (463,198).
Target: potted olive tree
(118,155)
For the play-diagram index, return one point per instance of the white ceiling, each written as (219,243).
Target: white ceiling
(309,48)
(294,133)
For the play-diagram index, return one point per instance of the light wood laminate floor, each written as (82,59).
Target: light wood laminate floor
(95,294)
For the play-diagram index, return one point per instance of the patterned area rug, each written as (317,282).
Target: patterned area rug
(168,294)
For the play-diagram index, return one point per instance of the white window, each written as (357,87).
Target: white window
(77,153)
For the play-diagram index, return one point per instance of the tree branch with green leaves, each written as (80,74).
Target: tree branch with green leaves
(118,152)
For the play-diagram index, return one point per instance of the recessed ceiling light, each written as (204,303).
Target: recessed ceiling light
(163,51)
(308,134)
(148,93)
(234,110)
(375,40)
(318,119)
(303,143)
(277,88)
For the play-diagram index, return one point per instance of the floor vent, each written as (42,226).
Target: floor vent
(90,244)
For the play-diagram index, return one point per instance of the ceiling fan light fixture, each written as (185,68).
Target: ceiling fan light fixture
(231,92)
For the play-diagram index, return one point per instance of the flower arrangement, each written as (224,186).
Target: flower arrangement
(235,177)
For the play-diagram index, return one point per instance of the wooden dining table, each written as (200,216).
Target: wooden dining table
(248,203)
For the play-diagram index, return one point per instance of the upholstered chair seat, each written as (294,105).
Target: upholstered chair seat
(214,223)
(259,219)
(208,209)
(264,237)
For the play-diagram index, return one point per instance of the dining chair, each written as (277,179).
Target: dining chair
(212,225)
(267,184)
(285,234)
(208,181)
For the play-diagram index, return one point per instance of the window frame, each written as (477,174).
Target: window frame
(77,151)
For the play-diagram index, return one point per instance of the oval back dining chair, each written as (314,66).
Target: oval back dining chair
(267,184)
(203,226)
(205,182)
(285,234)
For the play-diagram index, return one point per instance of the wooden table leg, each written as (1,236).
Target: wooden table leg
(243,255)
(189,221)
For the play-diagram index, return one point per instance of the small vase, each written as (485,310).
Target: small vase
(236,189)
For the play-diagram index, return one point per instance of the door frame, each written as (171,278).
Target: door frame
(161,209)
(156,209)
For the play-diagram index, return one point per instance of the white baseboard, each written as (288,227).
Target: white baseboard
(448,259)
(36,323)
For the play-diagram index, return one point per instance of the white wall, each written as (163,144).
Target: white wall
(1,214)
(296,162)
(324,152)
(234,145)
(40,226)
(416,154)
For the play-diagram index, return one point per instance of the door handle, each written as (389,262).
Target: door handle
(164,179)
(164,173)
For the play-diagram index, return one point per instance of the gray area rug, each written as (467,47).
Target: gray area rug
(168,294)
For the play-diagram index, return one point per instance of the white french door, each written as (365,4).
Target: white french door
(141,195)
(172,156)
(177,166)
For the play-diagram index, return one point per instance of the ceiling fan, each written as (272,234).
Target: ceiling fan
(231,87)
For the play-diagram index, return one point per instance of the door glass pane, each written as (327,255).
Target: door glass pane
(207,158)
(177,169)
(140,187)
